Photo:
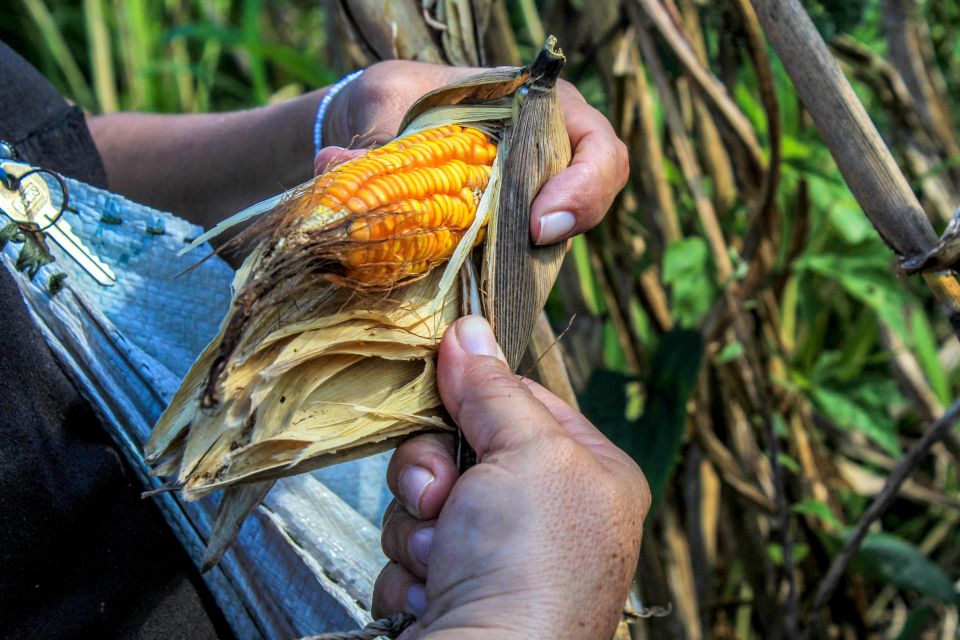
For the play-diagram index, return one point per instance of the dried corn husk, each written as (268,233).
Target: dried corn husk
(517,275)
(320,373)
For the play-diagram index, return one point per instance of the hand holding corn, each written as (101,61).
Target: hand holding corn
(515,547)
(369,110)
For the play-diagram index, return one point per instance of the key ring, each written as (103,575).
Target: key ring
(12,183)
(8,151)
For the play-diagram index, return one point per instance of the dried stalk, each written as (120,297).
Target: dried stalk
(688,160)
(856,145)
(385,31)
(706,82)
(904,469)
(910,53)
(920,152)
(500,46)
(647,159)
(617,314)
(715,155)
(763,214)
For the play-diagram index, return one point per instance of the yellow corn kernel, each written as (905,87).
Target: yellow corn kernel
(448,148)
(407,242)
(409,202)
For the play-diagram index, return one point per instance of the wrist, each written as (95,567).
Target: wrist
(331,125)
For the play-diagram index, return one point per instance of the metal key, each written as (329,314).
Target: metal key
(30,202)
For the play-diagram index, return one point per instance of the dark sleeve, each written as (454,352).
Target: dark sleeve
(43,128)
(81,555)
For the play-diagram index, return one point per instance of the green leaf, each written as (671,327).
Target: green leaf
(655,438)
(290,60)
(850,415)
(818,509)
(613,356)
(809,166)
(892,560)
(868,279)
(835,16)
(857,350)
(927,351)
(789,464)
(686,269)
(775,552)
(589,289)
(684,257)
(730,352)
(917,622)
(849,221)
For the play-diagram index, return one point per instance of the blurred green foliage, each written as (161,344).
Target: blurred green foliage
(836,16)
(173,56)
(653,439)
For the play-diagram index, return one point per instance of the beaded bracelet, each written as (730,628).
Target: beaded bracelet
(324,104)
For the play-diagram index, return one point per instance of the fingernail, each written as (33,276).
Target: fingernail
(417,599)
(476,337)
(413,484)
(420,543)
(554,226)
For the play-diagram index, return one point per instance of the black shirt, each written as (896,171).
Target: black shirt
(81,555)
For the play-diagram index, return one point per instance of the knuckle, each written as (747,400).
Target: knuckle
(565,452)
(430,450)
(646,497)
(622,157)
(634,488)
(431,446)
(569,90)
(380,73)
(383,598)
(593,178)
(390,540)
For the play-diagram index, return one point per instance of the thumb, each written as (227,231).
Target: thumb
(329,157)
(492,406)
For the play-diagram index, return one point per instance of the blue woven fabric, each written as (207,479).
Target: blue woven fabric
(168,310)
(127,348)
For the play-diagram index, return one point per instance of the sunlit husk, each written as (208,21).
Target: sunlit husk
(518,276)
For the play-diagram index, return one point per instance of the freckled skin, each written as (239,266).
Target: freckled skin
(539,540)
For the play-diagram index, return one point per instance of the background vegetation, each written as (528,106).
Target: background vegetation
(738,325)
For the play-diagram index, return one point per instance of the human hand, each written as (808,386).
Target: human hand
(538,540)
(368,112)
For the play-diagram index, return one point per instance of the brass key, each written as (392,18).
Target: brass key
(29,203)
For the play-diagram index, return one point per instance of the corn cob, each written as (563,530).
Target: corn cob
(400,209)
